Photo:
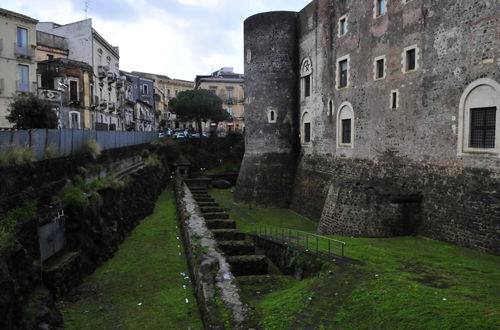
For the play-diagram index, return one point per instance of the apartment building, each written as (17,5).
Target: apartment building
(88,46)
(17,59)
(230,87)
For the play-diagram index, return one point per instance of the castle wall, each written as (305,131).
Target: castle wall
(386,149)
(413,149)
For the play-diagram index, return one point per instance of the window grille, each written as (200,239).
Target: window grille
(482,127)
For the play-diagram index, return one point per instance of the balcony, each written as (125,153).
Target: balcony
(50,95)
(23,51)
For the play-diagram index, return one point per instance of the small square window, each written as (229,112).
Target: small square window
(342,25)
(380,7)
(411,59)
(380,68)
(394,99)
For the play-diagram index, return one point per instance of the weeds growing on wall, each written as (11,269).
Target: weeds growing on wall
(13,155)
(9,223)
(93,148)
(80,193)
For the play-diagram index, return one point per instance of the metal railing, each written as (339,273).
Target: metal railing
(319,245)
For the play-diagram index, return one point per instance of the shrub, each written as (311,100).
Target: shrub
(9,223)
(13,155)
(72,195)
(93,148)
(50,152)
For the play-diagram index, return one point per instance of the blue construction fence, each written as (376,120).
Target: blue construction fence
(66,142)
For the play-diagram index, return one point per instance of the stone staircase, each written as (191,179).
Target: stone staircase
(239,252)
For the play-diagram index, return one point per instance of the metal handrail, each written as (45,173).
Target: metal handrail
(301,239)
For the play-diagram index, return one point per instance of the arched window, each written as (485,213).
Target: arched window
(479,118)
(330,108)
(272,116)
(345,126)
(306,70)
(306,128)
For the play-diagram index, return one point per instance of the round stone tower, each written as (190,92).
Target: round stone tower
(271,111)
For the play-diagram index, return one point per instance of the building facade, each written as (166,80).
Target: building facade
(50,46)
(17,59)
(165,89)
(230,87)
(66,83)
(87,45)
(377,118)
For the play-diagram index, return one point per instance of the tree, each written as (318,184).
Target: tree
(29,111)
(198,105)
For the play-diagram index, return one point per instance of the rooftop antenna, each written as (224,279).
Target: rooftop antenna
(87,2)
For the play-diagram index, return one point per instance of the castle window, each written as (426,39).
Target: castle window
(306,77)
(306,129)
(410,59)
(307,86)
(343,72)
(330,108)
(342,26)
(271,115)
(479,118)
(482,127)
(394,99)
(380,8)
(379,68)
(345,126)
(346,131)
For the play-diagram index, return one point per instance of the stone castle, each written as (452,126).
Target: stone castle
(377,118)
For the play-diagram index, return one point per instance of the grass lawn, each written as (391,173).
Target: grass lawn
(405,283)
(142,286)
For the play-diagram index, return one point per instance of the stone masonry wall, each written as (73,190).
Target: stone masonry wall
(459,206)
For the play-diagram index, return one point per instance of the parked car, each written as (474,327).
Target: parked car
(179,135)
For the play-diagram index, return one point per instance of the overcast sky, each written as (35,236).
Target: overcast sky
(177,38)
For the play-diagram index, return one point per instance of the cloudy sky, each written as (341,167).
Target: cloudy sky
(178,38)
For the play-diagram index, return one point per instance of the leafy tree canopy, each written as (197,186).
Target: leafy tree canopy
(29,111)
(198,105)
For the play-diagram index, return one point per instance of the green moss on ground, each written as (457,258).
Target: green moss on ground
(406,283)
(246,216)
(142,286)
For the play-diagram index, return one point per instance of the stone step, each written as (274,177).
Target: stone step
(248,265)
(228,235)
(201,196)
(236,248)
(204,199)
(221,224)
(219,215)
(207,204)
(211,209)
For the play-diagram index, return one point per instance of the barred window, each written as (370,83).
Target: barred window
(482,127)
(346,131)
